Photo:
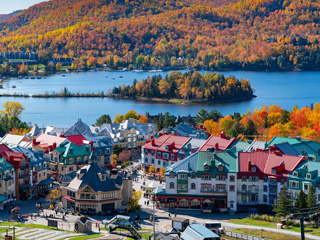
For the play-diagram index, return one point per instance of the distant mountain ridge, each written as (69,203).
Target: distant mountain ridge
(4,17)
(213,34)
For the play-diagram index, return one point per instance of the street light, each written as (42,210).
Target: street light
(153,200)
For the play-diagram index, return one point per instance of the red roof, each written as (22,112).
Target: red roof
(265,161)
(217,142)
(175,143)
(257,159)
(284,164)
(12,157)
(77,139)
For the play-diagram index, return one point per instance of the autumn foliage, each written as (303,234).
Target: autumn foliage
(270,121)
(220,34)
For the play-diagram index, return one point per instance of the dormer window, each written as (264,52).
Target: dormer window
(220,168)
(308,175)
(274,171)
(295,174)
(172,175)
(103,177)
(206,167)
(253,169)
(167,148)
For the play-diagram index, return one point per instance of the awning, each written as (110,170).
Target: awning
(46,182)
(2,198)
(69,198)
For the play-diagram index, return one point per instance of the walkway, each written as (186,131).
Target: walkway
(228,225)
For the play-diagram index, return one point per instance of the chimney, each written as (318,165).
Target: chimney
(54,145)
(201,126)
(153,142)
(34,142)
(216,146)
(173,145)
(160,134)
(91,143)
(249,164)
(282,167)
(223,134)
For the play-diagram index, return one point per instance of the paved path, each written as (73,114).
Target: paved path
(228,225)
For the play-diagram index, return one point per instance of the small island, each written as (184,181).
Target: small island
(187,88)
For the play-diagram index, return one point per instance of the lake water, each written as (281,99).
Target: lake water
(283,88)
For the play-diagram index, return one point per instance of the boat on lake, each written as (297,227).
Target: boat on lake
(14,86)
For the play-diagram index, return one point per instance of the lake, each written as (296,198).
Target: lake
(283,88)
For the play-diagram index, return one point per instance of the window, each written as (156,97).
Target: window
(171,185)
(71,169)
(274,171)
(265,179)
(220,168)
(152,160)
(103,177)
(182,176)
(282,180)
(265,188)
(159,154)
(165,155)
(253,169)
(146,152)
(253,178)
(220,177)
(244,178)
(244,188)
(193,175)
(146,160)
(294,184)
(205,177)
(231,188)
(99,152)
(232,179)
(44,173)
(182,187)
(152,153)
(273,181)
(159,162)
(172,156)
(171,175)
(206,167)
(193,186)
(265,198)
(295,174)
(308,175)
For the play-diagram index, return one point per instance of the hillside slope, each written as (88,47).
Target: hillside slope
(225,34)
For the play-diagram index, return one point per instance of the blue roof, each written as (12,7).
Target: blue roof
(287,149)
(198,232)
(2,198)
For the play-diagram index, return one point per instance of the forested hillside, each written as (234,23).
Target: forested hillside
(223,34)
(4,17)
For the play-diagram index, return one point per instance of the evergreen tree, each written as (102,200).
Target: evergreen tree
(202,116)
(312,198)
(251,130)
(283,208)
(105,118)
(301,202)
(236,130)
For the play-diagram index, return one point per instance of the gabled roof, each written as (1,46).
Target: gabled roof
(198,232)
(257,159)
(277,140)
(167,140)
(286,148)
(240,146)
(5,165)
(69,149)
(48,139)
(256,145)
(91,179)
(33,157)
(99,141)
(308,167)
(77,139)
(12,157)
(217,141)
(275,160)
(195,162)
(15,140)
(79,128)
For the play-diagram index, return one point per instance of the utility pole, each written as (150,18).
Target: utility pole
(302,228)
(153,218)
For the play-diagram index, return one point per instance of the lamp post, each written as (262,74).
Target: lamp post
(153,199)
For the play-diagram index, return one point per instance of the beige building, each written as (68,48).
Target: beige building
(95,190)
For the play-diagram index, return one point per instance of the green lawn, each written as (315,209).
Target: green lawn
(250,221)
(86,237)
(271,235)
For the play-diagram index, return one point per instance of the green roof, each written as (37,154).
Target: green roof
(2,198)
(278,140)
(5,165)
(307,167)
(240,146)
(196,162)
(72,150)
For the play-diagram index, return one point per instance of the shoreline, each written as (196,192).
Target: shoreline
(173,101)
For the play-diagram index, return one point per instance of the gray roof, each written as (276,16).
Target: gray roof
(198,232)
(34,158)
(79,128)
(256,144)
(91,179)
(35,131)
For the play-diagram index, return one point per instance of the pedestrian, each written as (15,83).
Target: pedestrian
(175,215)
(169,216)
(145,203)
(99,229)
(96,224)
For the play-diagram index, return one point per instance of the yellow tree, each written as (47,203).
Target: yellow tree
(53,195)
(164,86)
(212,127)
(134,200)
(152,169)
(118,118)
(12,109)
(226,123)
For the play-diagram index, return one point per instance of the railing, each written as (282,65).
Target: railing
(206,190)
(248,191)
(244,236)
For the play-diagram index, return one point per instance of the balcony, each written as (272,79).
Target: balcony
(24,175)
(7,178)
(207,190)
(34,173)
(248,191)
